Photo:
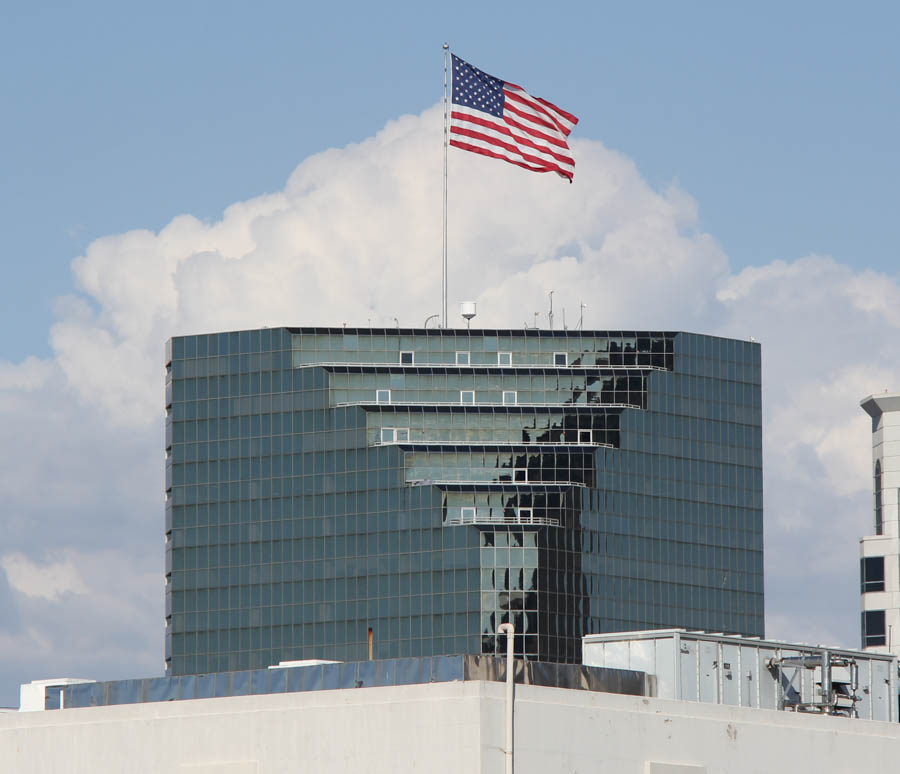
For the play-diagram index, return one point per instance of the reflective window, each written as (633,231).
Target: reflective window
(873,628)
(382,396)
(467,396)
(509,398)
(871,572)
(504,358)
(462,358)
(407,358)
(560,358)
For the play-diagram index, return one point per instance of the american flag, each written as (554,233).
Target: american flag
(503,121)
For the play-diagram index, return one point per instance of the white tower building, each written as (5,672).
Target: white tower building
(880,553)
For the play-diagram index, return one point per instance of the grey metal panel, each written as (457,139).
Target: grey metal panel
(124,692)
(687,670)
(348,675)
(97,695)
(484,668)
(365,674)
(83,695)
(384,672)
(642,656)
(730,674)
(664,667)
(277,681)
(768,691)
(882,696)
(446,669)
(205,686)
(748,676)
(707,673)
(259,681)
(331,675)
(187,687)
(313,678)
(864,704)
(410,671)
(294,679)
(240,683)
(224,684)
(546,673)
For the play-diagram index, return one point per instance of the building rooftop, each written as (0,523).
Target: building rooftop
(338,675)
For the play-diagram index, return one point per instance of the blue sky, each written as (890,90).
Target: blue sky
(176,168)
(780,119)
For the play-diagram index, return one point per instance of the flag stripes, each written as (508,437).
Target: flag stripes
(503,121)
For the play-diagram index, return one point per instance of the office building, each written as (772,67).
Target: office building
(879,562)
(346,493)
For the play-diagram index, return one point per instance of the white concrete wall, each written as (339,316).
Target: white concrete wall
(610,734)
(443,727)
(885,411)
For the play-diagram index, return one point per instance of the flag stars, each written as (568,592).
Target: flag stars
(476,89)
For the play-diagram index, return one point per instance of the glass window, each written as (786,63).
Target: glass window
(584,436)
(402,434)
(560,358)
(520,474)
(467,396)
(382,396)
(504,358)
(871,573)
(462,358)
(509,397)
(387,434)
(526,515)
(873,628)
(407,358)
(467,515)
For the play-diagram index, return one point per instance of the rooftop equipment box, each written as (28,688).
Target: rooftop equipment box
(750,672)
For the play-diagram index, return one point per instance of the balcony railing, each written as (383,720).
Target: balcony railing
(476,518)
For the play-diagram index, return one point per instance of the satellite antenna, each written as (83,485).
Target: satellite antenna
(467,310)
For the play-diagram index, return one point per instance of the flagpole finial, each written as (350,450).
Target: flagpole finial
(446,46)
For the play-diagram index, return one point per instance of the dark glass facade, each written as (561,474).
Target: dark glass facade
(429,485)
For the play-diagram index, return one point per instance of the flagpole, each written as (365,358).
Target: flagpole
(444,243)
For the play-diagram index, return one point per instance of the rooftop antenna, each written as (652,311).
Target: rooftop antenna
(429,319)
(535,319)
(467,310)
(396,322)
(581,317)
(551,310)
(565,327)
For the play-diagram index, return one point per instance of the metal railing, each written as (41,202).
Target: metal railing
(501,519)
